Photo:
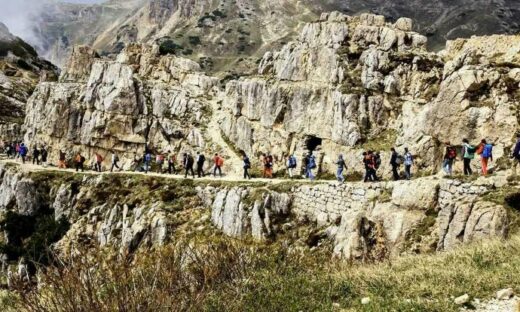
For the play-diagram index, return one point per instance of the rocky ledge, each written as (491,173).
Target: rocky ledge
(357,221)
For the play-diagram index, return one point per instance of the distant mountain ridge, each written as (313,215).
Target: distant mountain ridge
(219,33)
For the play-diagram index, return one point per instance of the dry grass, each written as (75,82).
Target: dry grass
(225,275)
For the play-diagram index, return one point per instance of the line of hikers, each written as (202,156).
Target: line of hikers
(167,162)
(163,163)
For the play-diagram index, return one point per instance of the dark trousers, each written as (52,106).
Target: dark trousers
(79,166)
(97,166)
(171,168)
(23,158)
(200,170)
(114,165)
(219,169)
(246,173)
(467,166)
(408,171)
(395,172)
(370,174)
(189,169)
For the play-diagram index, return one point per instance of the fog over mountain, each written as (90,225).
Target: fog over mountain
(20,16)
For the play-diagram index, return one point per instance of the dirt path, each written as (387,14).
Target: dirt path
(35,168)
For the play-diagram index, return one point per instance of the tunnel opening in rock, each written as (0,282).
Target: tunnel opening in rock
(513,201)
(312,143)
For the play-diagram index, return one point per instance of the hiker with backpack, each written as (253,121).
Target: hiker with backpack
(468,154)
(246,165)
(79,162)
(267,161)
(449,158)
(187,162)
(340,163)
(310,165)
(395,161)
(62,160)
(408,163)
(36,155)
(44,155)
(147,161)
(201,159)
(23,152)
(172,159)
(369,164)
(159,160)
(291,165)
(516,155)
(98,161)
(485,151)
(115,160)
(218,163)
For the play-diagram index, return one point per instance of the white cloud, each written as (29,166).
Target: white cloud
(20,16)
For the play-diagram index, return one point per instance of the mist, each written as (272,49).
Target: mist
(21,16)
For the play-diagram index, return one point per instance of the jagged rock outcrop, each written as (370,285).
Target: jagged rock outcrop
(20,71)
(139,99)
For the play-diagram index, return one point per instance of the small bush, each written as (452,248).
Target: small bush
(169,47)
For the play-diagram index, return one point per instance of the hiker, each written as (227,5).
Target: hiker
(188,165)
(468,153)
(219,162)
(267,160)
(247,165)
(23,152)
(310,165)
(62,160)
(291,165)
(115,160)
(136,162)
(147,161)
(201,159)
(99,161)
(485,151)
(377,160)
(449,157)
(369,163)
(408,163)
(17,150)
(79,161)
(172,159)
(395,161)
(341,165)
(36,156)
(159,160)
(44,155)
(516,155)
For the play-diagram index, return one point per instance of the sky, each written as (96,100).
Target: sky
(19,14)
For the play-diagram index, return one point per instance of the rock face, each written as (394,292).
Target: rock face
(141,98)
(20,72)
(366,222)
(374,85)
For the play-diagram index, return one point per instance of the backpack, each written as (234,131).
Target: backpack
(452,153)
(312,162)
(247,163)
(148,157)
(377,161)
(82,159)
(220,161)
(399,160)
(471,149)
(487,151)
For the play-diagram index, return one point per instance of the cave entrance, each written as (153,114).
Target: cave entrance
(312,142)
(513,201)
